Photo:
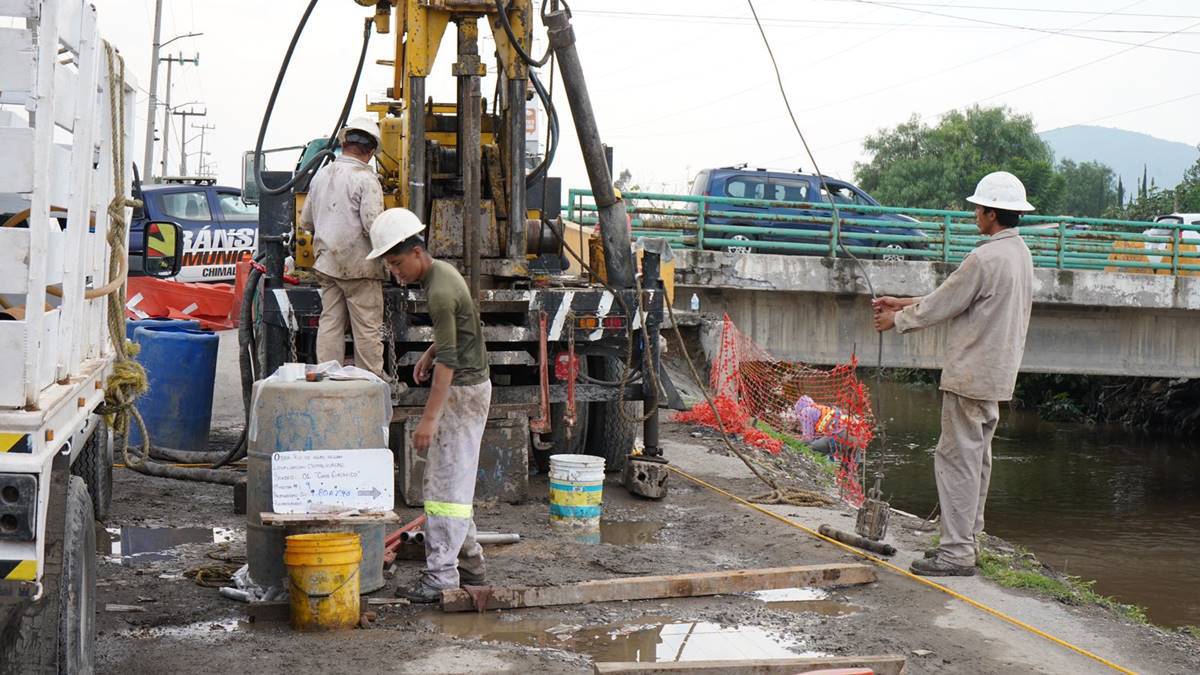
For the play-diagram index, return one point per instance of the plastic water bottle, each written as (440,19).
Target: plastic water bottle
(695,303)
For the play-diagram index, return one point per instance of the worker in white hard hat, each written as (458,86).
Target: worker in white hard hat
(344,198)
(985,304)
(451,427)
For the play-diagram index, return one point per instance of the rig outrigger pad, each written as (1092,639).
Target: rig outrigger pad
(646,476)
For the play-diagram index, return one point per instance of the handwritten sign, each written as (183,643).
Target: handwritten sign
(332,481)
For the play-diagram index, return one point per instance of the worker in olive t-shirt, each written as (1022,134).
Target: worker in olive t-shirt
(461,395)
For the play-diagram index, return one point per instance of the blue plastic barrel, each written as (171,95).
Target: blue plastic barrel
(172,324)
(182,367)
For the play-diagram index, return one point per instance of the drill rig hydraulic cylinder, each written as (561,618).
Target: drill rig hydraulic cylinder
(614,232)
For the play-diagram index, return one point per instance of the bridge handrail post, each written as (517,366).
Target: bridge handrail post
(700,217)
(1062,242)
(946,238)
(1176,244)
(834,233)
(572,195)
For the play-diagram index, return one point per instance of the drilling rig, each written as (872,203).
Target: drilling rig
(575,359)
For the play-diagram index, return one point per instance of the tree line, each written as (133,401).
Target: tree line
(923,166)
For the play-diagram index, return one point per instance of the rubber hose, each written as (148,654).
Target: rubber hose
(192,474)
(247,363)
(552,113)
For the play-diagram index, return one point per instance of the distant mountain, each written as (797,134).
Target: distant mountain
(1124,151)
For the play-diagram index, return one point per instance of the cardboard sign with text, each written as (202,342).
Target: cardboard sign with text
(332,481)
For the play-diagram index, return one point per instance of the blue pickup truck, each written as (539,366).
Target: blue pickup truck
(747,183)
(218,227)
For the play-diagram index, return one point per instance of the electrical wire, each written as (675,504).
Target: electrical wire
(516,44)
(552,145)
(1037,10)
(327,152)
(879,417)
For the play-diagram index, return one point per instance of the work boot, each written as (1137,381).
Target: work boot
(420,593)
(466,578)
(936,567)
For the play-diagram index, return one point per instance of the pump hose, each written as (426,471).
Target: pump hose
(327,152)
(541,169)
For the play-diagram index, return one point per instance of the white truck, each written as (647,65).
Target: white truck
(64,144)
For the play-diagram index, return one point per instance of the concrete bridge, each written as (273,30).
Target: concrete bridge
(817,310)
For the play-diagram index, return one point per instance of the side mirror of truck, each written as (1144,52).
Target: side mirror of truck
(162,249)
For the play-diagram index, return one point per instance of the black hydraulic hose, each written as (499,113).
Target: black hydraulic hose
(326,152)
(552,113)
(512,38)
(247,362)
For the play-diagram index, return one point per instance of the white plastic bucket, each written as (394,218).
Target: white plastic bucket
(576,491)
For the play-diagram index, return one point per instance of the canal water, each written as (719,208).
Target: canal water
(1093,501)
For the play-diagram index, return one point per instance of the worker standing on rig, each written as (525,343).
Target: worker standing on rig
(461,394)
(986,302)
(343,201)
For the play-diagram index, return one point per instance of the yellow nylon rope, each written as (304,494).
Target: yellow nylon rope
(903,572)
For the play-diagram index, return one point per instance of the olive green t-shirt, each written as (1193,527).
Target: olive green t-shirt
(456,329)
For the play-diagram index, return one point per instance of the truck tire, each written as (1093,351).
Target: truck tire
(57,634)
(94,465)
(610,434)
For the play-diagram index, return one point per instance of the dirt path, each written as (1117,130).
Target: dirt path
(189,628)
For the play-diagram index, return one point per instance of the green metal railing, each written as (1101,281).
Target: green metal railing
(765,226)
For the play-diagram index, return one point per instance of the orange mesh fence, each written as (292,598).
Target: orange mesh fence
(764,400)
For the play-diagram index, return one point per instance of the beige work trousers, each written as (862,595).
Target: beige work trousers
(963,467)
(359,302)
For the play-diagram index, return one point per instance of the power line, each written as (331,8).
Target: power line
(1036,10)
(780,22)
(1138,109)
(1026,28)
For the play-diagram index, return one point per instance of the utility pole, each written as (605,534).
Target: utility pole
(204,128)
(152,112)
(183,136)
(171,60)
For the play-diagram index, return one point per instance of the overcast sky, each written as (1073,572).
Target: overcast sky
(680,85)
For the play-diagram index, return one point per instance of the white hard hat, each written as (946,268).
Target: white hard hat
(1001,190)
(392,227)
(366,125)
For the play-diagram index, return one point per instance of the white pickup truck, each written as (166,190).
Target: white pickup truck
(66,123)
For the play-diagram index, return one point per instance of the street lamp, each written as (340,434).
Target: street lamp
(147,164)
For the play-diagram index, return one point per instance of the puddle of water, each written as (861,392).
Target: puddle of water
(623,532)
(801,600)
(641,642)
(148,544)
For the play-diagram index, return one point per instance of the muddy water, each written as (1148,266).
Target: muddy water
(133,545)
(652,638)
(1096,502)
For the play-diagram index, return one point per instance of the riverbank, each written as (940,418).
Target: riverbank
(181,626)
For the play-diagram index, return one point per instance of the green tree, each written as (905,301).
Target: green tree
(917,165)
(1120,193)
(1087,189)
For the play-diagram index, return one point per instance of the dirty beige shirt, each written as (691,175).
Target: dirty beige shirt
(986,302)
(343,200)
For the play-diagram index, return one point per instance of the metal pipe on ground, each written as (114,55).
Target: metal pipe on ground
(857,541)
(497,538)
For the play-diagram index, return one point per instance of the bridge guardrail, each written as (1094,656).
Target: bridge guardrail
(1061,242)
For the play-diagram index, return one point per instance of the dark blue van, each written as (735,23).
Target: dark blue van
(218,227)
(746,183)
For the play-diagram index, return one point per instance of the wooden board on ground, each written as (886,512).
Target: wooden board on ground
(667,586)
(284,519)
(882,665)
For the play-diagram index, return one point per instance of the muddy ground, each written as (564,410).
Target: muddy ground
(185,627)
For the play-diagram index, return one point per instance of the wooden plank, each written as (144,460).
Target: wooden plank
(12,346)
(71,15)
(14,260)
(16,60)
(16,171)
(66,88)
(882,665)
(271,518)
(82,122)
(19,8)
(668,586)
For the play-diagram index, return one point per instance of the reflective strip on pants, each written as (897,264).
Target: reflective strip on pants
(447,509)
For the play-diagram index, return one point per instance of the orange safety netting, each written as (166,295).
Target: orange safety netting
(763,399)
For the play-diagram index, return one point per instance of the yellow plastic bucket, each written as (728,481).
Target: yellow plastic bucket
(323,578)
